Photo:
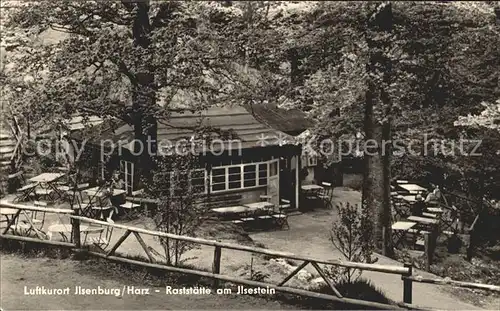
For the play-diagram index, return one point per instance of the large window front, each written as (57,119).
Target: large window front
(240,176)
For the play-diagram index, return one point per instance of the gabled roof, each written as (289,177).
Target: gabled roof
(293,120)
(234,127)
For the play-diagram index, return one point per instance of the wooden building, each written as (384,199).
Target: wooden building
(243,158)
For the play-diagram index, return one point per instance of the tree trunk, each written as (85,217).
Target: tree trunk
(386,215)
(144,93)
(376,185)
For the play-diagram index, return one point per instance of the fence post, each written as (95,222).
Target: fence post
(216,264)
(75,228)
(428,249)
(407,285)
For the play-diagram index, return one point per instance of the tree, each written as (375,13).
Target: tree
(377,124)
(348,235)
(131,60)
(178,187)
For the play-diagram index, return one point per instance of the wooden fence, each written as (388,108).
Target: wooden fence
(405,271)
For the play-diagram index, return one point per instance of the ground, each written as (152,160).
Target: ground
(308,235)
(18,272)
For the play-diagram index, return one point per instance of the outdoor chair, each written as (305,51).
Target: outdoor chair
(26,192)
(45,193)
(237,222)
(128,209)
(248,222)
(38,217)
(102,212)
(138,193)
(326,195)
(281,220)
(102,241)
(19,175)
(284,205)
(265,198)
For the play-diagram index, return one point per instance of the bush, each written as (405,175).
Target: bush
(454,244)
(360,289)
(351,235)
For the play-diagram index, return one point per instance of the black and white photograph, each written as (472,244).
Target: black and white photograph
(249,155)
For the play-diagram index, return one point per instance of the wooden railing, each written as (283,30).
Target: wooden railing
(405,271)
(41,237)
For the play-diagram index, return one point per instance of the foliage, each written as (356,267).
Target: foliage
(361,289)
(351,235)
(117,60)
(179,209)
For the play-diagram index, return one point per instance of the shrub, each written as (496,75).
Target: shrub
(349,236)
(361,289)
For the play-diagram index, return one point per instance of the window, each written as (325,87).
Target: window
(312,160)
(218,177)
(234,174)
(273,169)
(241,176)
(127,175)
(303,160)
(101,170)
(250,176)
(308,159)
(263,174)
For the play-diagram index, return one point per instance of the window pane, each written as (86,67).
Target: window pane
(235,170)
(250,168)
(235,185)
(235,177)
(218,187)
(249,176)
(218,171)
(219,179)
(249,183)
(263,170)
(263,181)
(273,168)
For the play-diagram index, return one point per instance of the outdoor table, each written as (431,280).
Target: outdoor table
(64,229)
(400,230)
(25,192)
(231,209)
(99,192)
(259,205)
(408,198)
(412,188)
(436,210)
(48,179)
(256,209)
(423,220)
(311,188)
(312,191)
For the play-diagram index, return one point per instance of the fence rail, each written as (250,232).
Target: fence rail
(439,281)
(257,250)
(405,271)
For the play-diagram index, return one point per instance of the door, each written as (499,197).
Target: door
(273,184)
(127,175)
